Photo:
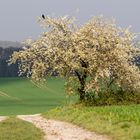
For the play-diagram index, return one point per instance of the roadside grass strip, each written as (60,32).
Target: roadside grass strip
(16,129)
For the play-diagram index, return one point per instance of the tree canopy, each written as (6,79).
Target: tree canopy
(88,56)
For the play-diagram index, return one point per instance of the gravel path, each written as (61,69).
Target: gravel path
(57,130)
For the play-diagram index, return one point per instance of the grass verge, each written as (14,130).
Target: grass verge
(118,122)
(16,129)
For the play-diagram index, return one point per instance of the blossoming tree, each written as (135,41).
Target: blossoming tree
(88,56)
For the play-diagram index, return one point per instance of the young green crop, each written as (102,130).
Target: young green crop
(26,98)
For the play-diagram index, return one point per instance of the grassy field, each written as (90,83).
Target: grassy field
(118,122)
(15,129)
(20,96)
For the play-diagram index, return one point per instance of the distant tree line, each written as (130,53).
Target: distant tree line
(5,69)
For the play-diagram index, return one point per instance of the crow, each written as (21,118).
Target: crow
(43,16)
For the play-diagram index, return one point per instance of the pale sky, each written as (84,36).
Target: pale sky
(18,18)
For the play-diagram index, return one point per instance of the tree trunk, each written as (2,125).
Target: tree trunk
(81,89)
(82,79)
(81,94)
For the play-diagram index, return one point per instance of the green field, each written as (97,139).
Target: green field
(20,96)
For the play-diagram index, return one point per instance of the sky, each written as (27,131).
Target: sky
(18,18)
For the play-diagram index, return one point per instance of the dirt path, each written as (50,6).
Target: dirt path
(57,130)
(2,118)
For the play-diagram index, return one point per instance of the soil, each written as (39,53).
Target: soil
(57,130)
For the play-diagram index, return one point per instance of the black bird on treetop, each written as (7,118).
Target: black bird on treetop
(43,16)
